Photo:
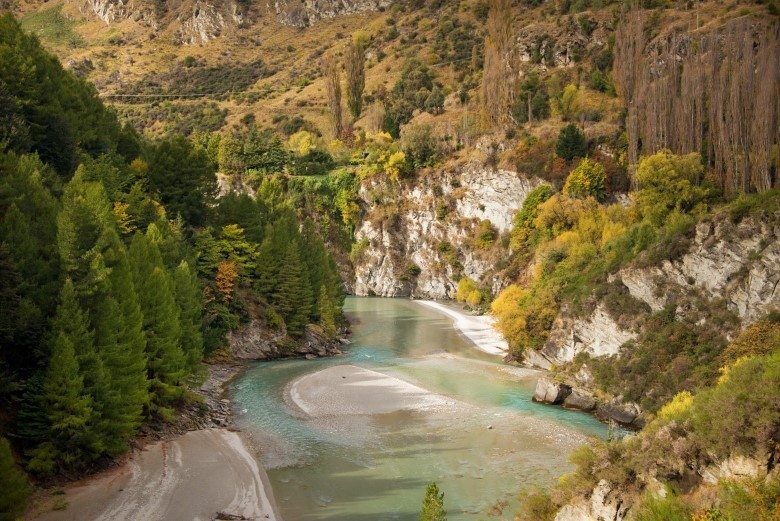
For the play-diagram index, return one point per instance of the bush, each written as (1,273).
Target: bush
(571,143)
(669,508)
(671,182)
(419,145)
(484,235)
(587,180)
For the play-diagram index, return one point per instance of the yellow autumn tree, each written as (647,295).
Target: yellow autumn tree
(227,273)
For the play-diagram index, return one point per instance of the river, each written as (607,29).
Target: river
(375,467)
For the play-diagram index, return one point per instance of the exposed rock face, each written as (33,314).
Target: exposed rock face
(207,20)
(597,335)
(548,391)
(110,11)
(253,341)
(739,263)
(626,414)
(604,504)
(429,225)
(303,13)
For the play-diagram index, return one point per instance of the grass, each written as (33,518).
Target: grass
(53,28)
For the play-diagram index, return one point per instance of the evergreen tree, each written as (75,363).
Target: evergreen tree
(63,398)
(326,311)
(166,361)
(96,260)
(68,409)
(190,302)
(293,296)
(13,484)
(184,177)
(571,143)
(433,505)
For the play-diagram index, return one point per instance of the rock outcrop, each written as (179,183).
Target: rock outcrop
(417,239)
(254,341)
(303,13)
(604,504)
(738,263)
(549,391)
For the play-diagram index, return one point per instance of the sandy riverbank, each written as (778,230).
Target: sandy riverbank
(480,329)
(196,476)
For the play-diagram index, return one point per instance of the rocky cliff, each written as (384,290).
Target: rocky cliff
(736,263)
(303,13)
(418,239)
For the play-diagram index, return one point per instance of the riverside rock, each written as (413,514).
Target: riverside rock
(549,391)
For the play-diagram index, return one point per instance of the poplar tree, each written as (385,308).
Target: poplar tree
(355,68)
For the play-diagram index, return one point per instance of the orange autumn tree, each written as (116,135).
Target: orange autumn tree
(227,273)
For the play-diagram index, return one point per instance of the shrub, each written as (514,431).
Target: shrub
(484,235)
(13,484)
(571,143)
(671,182)
(419,145)
(523,235)
(669,508)
(587,180)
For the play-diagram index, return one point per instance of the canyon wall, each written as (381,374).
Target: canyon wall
(418,239)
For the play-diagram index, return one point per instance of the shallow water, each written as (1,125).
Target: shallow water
(376,467)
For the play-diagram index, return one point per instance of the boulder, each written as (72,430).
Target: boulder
(581,400)
(626,414)
(549,391)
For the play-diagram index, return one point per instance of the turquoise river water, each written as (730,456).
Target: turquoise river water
(351,468)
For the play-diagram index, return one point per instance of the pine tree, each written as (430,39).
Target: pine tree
(96,261)
(433,505)
(166,362)
(190,302)
(63,398)
(326,311)
(68,410)
(13,484)
(571,143)
(293,296)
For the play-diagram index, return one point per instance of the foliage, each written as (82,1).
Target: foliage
(571,143)
(524,234)
(536,505)
(669,182)
(669,508)
(532,101)
(470,293)
(415,89)
(383,156)
(484,234)
(13,483)
(183,176)
(354,65)
(433,504)
(419,144)
(587,180)
(57,115)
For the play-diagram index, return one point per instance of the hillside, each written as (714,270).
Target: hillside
(602,177)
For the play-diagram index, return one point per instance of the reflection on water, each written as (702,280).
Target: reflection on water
(376,467)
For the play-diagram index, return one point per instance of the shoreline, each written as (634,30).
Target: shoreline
(479,329)
(170,474)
